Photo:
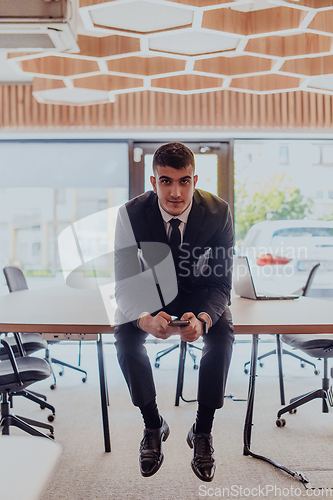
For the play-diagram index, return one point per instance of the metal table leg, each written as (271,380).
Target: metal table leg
(249,420)
(104,395)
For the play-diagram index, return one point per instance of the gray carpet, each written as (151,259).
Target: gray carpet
(85,472)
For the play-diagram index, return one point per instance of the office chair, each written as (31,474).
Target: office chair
(189,348)
(317,346)
(16,281)
(279,351)
(15,375)
(21,349)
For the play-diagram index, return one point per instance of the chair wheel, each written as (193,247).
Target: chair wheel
(52,387)
(51,436)
(51,418)
(157,365)
(302,365)
(261,364)
(246,371)
(195,367)
(292,412)
(280,422)
(84,379)
(61,374)
(316,372)
(42,407)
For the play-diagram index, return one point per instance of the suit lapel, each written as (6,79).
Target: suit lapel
(194,222)
(155,222)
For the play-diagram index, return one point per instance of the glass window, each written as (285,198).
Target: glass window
(50,185)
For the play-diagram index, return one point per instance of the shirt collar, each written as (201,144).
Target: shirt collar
(182,217)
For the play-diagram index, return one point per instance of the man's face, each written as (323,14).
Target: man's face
(174,188)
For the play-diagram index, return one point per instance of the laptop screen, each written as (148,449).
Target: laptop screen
(242,278)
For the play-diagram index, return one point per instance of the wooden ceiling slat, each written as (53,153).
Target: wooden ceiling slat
(64,116)
(291,109)
(327,111)
(305,107)
(270,110)
(255,110)
(225,108)
(320,110)
(277,110)
(313,110)
(130,116)
(240,109)
(204,108)
(13,105)
(116,112)
(284,111)
(262,111)
(20,105)
(218,109)
(72,116)
(197,111)
(211,110)
(233,109)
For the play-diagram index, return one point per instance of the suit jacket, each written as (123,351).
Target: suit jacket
(204,274)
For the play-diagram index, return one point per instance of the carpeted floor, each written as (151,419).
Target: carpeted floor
(85,472)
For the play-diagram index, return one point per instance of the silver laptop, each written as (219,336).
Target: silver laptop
(244,285)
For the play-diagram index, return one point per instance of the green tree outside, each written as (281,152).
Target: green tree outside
(272,198)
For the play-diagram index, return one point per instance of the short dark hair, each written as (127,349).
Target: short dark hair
(173,154)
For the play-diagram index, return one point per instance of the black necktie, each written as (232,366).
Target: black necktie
(175,239)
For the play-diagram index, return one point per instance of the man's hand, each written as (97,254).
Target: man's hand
(158,325)
(193,331)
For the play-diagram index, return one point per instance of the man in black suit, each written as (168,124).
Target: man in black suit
(197,227)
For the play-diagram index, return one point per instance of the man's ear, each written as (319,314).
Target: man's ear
(195,180)
(153,183)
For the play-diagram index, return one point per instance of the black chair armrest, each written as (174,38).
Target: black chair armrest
(19,344)
(12,360)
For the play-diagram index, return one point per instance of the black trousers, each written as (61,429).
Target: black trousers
(213,370)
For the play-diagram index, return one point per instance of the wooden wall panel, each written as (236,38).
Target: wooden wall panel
(223,110)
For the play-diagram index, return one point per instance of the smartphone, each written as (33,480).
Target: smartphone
(179,322)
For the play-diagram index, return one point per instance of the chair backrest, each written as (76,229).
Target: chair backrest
(15,279)
(309,281)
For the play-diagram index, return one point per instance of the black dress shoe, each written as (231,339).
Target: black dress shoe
(203,462)
(151,455)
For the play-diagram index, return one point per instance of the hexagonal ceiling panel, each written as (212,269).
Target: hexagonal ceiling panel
(323,21)
(193,43)
(141,16)
(146,66)
(187,82)
(264,83)
(59,66)
(292,45)
(233,65)
(309,66)
(47,84)
(252,23)
(107,82)
(107,45)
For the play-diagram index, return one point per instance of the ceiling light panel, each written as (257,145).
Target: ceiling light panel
(72,96)
(141,16)
(193,43)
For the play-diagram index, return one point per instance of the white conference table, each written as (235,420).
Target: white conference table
(62,313)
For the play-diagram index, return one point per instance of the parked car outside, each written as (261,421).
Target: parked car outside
(282,253)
